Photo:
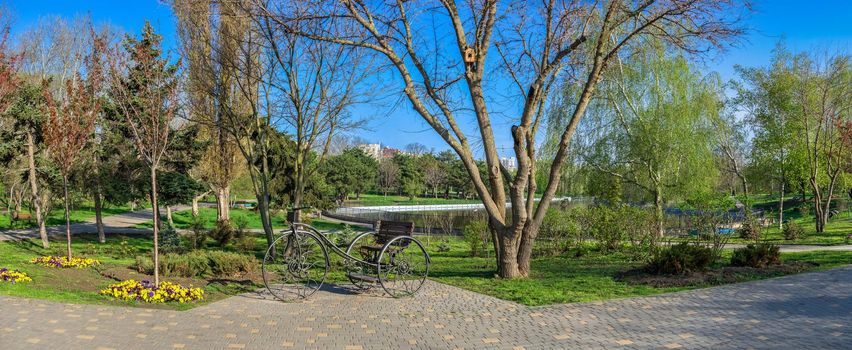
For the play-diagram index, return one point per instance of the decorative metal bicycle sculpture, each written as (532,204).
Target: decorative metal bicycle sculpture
(297,263)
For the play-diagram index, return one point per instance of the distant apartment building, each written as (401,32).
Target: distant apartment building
(509,163)
(372,149)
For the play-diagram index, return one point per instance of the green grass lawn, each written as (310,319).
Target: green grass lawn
(372,200)
(83,213)
(559,279)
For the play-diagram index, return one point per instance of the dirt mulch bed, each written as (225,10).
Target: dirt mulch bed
(722,275)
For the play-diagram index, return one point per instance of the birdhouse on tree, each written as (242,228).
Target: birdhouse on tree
(469,55)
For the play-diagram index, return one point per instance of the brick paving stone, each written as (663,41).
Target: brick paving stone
(811,310)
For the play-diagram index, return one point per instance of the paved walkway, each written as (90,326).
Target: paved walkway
(806,311)
(113,224)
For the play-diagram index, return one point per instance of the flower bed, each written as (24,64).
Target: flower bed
(148,292)
(57,261)
(13,276)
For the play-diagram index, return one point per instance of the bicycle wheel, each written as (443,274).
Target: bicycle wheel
(298,268)
(403,266)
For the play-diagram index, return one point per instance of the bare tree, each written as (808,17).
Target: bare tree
(388,175)
(71,121)
(144,86)
(537,43)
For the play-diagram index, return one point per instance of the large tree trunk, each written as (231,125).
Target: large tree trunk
(67,215)
(156,211)
(42,230)
(195,203)
(169,216)
(507,260)
(223,197)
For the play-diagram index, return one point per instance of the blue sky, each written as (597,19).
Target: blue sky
(804,25)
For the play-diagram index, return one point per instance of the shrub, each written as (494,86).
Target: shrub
(444,245)
(245,244)
(240,226)
(606,226)
(757,255)
(560,229)
(227,264)
(476,235)
(170,241)
(681,259)
(223,233)
(792,230)
(750,229)
(199,263)
(197,233)
(805,209)
(345,236)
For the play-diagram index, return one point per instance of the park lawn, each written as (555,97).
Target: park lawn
(835,232)
(183,220)
(373,200)
(56,217)
(559,279)
(567,279)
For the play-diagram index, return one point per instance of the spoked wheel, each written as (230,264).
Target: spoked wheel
(298,268)
(403,266)
(355,270)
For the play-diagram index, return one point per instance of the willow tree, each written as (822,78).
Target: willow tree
(144,88)
(455,60)
(657,115)
(71,120)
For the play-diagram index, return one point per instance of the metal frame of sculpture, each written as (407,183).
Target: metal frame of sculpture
(297,263)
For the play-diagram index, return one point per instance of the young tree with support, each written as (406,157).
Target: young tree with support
(71,120)
(145,90)
(536,44)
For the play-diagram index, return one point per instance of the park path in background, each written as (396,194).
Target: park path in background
(805,311)
(113,224)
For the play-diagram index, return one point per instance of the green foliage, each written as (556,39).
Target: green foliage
(198,234)
(611,226)
(175,188)
(750,229)
(200,263)
(444,245)
(560,229)
(477,236)
(792,230)
(223,233)
(410,177)
(352,171)
(170,241)
(282,168)
(345,236)
(680,259)
(757,255)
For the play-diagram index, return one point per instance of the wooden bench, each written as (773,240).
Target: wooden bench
(385,232)
(17,216)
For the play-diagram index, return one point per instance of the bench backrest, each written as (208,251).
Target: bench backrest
(21,216)
(387,230)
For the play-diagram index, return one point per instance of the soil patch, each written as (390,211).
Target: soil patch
(722,275)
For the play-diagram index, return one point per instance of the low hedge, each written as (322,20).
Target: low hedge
(200,263)
(757,255)
(680,259)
